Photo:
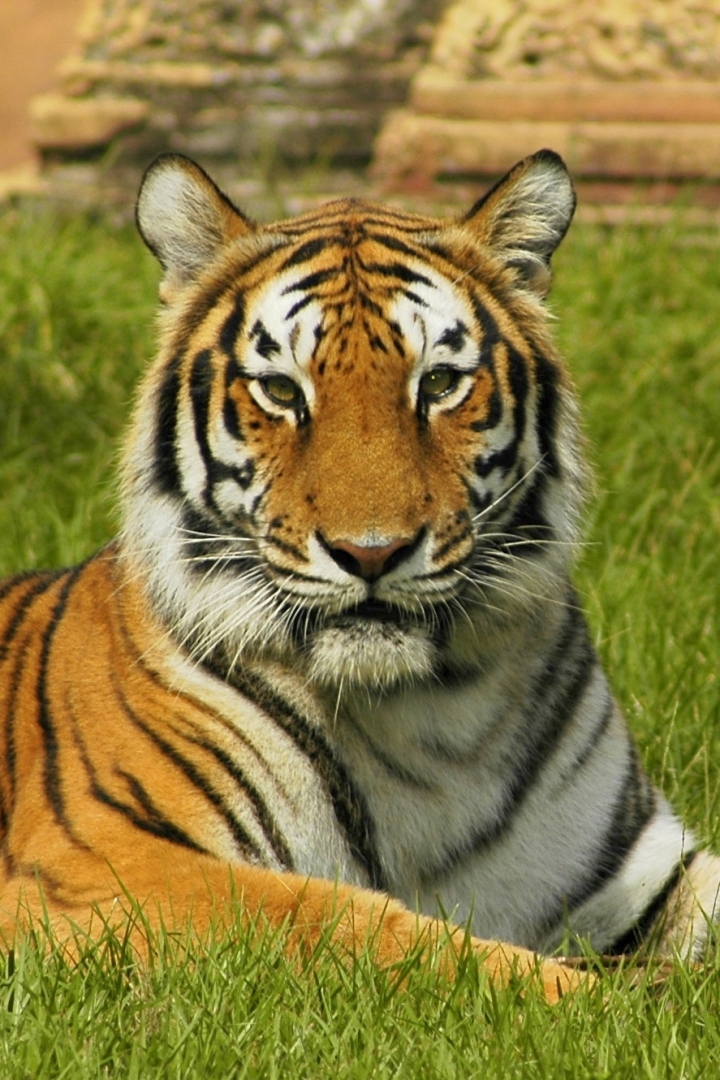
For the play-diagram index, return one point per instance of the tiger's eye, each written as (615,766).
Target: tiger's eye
(438,382)
(283,391)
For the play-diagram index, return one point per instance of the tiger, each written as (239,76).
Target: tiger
(333,671)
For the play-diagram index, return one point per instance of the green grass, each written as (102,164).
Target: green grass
(242,1010)
(637,320)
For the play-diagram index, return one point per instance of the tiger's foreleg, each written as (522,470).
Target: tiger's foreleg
(205,893)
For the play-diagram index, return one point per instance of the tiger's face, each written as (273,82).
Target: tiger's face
(356,446)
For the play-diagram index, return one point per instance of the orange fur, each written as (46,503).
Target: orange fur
(92,639)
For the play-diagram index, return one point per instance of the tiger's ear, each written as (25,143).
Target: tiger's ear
(525,216)
(184,219)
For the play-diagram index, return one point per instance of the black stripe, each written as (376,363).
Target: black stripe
(7,586)
(454,336)
(14,582)
(486,358)
(52,779)
(264,343)
(493,418)
(4,817)
(42,582)
(275,838)
(231,419)
(400,220)
(551,706)
(634,806)
(310,249)
(311,281)
(528,522)
(294,576)
(154,822)
(232,326)
(593,741)
(10,749)
(523,536)
(633,938)
(244,841)
(547,408)
(192,319)
(201,384)
(488,326)
(453,542)
(412,225)
(228,727)
(348,803)
(231,415)
(375,342)
(519,386)
(396,270)
(393,243)
(243,475)
(480,503)
(299,305)
(499,459)
(200,390)
(368,304)
(166,470)
(392,767)
(289,549)
(200,545)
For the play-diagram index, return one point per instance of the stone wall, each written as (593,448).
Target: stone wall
(232,79)
(625,89)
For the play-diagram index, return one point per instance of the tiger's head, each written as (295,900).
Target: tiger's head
(357,447)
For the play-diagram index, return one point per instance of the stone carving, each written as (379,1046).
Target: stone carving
(143,31)
(234,79)
(622,88)
(554,39)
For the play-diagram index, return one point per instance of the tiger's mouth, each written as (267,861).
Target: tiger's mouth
(374,615)
(368,614)
(373,643)
(375,611)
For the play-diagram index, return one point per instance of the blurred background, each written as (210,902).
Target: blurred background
(424,97)
(35,35)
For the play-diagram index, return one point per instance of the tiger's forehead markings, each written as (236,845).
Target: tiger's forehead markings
(264,343)
(232,326)
(454,337)
(359,260)
(435,320)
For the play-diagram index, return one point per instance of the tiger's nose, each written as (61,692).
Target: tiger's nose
(372,561)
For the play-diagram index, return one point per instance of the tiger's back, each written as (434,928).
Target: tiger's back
(337,636)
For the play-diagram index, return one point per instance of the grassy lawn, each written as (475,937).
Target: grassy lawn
(637,320)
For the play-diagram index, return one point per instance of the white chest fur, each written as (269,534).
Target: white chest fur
(470,815)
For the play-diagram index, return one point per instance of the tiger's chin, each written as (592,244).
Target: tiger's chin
(369,654)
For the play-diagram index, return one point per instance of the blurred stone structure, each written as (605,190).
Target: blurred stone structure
(622,89)
(240,80)
(458,90)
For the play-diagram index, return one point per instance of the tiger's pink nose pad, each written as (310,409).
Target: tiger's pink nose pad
(369,562)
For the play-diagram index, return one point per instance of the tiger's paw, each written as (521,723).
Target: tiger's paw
(556,978)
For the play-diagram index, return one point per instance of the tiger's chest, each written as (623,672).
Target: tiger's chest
(482,804)
(487,799)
